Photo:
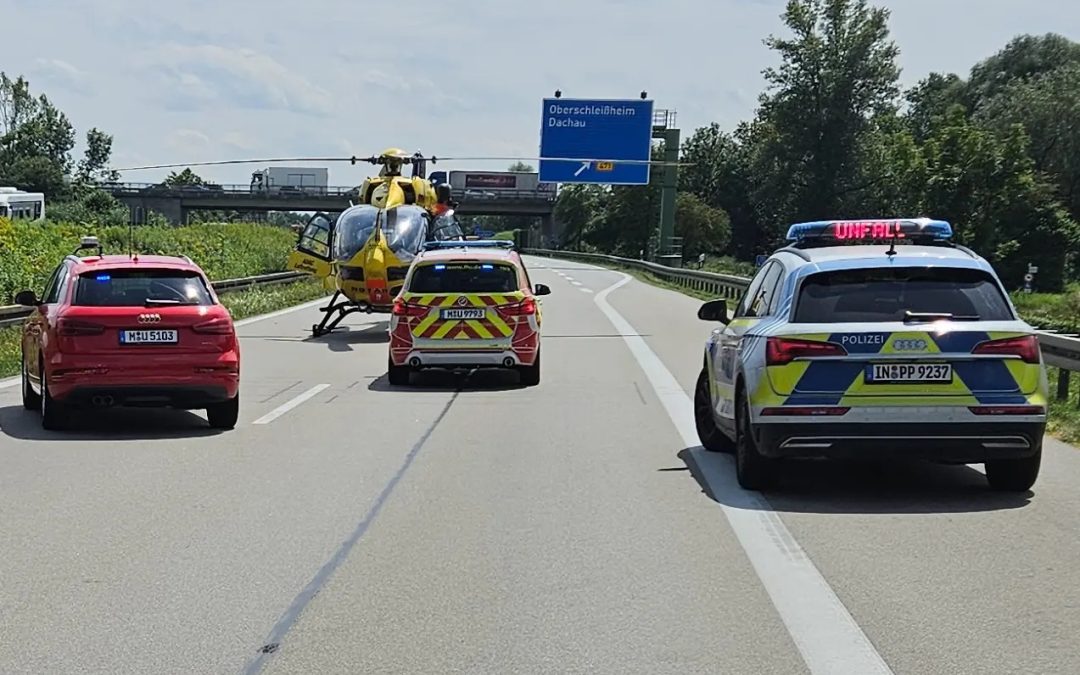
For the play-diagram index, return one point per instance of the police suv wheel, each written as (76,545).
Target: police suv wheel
(712,439)
(753,470)
(1014,475)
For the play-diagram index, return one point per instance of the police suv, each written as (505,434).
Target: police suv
(873,339)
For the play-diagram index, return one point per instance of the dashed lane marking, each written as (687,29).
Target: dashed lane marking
(290,404)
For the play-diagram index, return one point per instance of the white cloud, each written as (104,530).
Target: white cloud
(59,72)
(230,79)
(238,77)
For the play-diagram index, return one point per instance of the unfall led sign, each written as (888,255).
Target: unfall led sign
(868,229)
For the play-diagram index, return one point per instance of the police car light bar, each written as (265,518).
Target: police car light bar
(475,243)
(871,230)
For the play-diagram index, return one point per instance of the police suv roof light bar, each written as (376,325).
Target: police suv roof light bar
(824,232)
(476,243)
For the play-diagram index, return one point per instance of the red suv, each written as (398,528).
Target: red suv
(118,330)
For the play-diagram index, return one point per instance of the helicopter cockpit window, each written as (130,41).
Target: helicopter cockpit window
(446,228)
(406,230)
(316,237)
(354,228)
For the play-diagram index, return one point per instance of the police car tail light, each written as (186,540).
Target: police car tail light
(402,308)
(780,351)
(72,327)
(523,308)
(1025,346)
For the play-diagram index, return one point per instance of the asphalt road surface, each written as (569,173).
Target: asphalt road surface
(466,524)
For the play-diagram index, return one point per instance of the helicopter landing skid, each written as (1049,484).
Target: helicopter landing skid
(336,311)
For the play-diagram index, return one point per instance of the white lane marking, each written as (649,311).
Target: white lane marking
(280,312)
(824,631)
(576,283)
(290,404)
(11,382)
(585,290)
(570,279)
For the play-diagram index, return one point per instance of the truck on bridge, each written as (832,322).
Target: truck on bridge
(478,184)
(278,179)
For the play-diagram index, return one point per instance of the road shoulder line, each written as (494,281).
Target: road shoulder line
(824,632)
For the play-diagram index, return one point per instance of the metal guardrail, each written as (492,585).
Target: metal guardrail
(1059,351)
(13,315)
(727,286)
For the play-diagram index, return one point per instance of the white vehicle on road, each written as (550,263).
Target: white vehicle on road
(18,205)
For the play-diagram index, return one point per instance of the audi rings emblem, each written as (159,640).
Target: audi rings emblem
(463,301)
(149,318)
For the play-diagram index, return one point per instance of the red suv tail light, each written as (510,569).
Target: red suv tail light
(780,351)
(217,326)
(1025,346)
(74,327)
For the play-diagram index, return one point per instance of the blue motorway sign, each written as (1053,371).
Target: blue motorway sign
(590,141)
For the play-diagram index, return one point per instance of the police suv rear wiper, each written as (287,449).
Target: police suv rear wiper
(938,316)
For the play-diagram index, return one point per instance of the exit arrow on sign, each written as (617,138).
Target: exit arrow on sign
(582,168)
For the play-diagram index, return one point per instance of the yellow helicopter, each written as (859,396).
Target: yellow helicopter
(364,253)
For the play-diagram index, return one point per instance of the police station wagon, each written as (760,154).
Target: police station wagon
(874,339)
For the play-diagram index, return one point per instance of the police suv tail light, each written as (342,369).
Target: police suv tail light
(780,351)
(523,308)
(1025,346)
(402,308)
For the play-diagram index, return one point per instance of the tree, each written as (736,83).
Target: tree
(185,177)
(93,167)
(837,72)
(703,228)
(1025,58)
(521,167)
(1048,108)
(577,209)
(36,140)
(929,100)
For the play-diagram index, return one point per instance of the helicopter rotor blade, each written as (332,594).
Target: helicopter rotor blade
(224,162)
(405,158)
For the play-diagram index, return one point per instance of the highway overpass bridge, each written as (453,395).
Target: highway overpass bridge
(176,202)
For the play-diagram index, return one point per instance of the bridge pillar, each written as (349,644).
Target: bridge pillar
(140,208)
(547,230)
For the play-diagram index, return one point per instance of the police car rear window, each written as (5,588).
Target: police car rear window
(889,294)
(464,278)
(141,287)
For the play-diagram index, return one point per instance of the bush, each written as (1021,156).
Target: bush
(29,251)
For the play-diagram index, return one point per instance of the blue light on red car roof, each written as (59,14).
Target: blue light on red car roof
(440,267)
(487,267)
(871,230)
(103,277)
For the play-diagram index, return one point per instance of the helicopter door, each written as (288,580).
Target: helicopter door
(312,254)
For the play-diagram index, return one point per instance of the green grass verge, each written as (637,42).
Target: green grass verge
(31,251)
(241,304)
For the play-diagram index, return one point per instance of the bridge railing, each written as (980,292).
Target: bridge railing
(216,191)
(1060,351)
(13,315)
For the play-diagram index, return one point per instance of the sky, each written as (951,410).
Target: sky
(205,80)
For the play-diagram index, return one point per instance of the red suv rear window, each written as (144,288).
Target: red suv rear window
(141,287)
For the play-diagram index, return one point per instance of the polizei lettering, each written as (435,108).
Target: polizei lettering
(569,115)
(864,339)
